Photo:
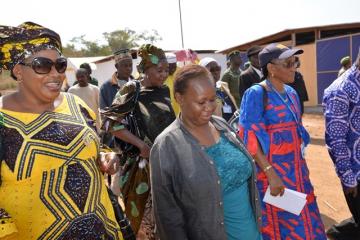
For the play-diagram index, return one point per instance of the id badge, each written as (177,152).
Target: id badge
(226,108)
(302,147)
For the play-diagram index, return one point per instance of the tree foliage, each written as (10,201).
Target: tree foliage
(80,47)
(126,38)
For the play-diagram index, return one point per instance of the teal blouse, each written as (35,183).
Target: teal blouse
(234,169)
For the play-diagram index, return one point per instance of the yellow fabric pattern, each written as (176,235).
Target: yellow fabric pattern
(170,83)
(7,48)
(18,43)
(51,185)
(7,225)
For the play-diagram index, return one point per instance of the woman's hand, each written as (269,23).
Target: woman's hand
(128,137)
(144,150)
(277,186)
(109,162)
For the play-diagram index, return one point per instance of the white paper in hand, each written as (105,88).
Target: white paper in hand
(292,201)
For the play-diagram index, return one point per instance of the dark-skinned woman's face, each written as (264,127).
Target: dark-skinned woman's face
(157,74)
(172,68)
(215,70)
(283,70)
(198,102)
(45,87)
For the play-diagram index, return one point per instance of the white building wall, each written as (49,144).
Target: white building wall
(73,66)
(104,71)
(70,73)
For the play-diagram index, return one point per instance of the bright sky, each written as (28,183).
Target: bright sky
(207,24)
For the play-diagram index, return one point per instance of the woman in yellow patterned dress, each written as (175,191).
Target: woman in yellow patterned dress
(51,186)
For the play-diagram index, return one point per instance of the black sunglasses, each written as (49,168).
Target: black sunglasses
(286,64)
(42,65)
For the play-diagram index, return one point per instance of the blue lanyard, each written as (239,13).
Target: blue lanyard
(287,105)
(298,128)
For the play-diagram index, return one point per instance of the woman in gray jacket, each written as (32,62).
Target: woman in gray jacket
(202,177)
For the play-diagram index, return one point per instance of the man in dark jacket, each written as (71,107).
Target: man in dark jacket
(252,74)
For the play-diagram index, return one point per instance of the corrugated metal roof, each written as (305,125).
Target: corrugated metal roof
(91,60)
(286,32)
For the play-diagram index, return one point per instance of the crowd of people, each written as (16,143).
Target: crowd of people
(155,157)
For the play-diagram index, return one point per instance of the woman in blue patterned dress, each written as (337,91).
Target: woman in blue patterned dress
(271,127)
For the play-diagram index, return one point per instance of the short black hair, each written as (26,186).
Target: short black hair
(81,71)
(86,66)
(188,73)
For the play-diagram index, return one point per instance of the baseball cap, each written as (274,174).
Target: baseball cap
(276,51)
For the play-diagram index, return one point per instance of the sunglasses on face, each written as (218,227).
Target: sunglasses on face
(215,69)
(42,65)
(286,63)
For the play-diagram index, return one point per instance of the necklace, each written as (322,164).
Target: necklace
(285,101)
(284,96)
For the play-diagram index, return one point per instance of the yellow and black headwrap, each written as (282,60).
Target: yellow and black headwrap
(18,43)
(150,55)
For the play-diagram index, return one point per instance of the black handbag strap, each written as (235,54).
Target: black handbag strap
(265,96)
(1,144)
(235,118)
(124,224)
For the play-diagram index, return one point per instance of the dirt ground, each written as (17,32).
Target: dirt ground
(327,186)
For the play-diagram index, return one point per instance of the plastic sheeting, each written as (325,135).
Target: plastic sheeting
(324,80)
(355,46)
(329,52)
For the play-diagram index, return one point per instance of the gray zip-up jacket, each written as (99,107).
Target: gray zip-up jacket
(186,191)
